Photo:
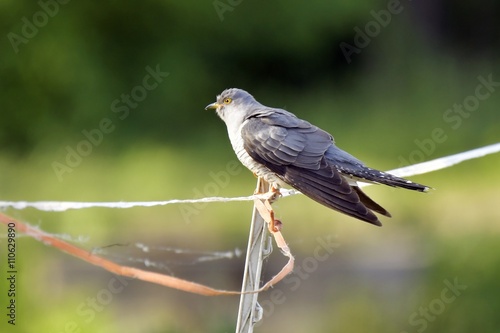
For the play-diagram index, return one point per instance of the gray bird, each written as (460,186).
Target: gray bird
(283,149)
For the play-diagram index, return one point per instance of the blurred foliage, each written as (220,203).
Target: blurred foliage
(72,69)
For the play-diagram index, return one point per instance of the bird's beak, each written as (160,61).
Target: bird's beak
(212,106)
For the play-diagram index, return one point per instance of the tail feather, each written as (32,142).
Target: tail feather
(369,203)
(369,175)
(403,183)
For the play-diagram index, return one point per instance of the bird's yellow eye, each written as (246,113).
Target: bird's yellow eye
(227,100)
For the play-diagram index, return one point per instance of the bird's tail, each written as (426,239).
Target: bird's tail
(369,175)
(394,181)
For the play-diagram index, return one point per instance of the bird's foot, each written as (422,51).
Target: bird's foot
(274,194)
(271,195)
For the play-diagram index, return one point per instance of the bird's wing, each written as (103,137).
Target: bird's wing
(295,150)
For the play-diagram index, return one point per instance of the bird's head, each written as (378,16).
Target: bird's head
(233,103)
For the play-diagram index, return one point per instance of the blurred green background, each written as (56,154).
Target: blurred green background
(381,76)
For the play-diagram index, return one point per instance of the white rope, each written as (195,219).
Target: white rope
(445,162)
(412,170)
(60,206)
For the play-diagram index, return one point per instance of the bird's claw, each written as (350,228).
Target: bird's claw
(274,194)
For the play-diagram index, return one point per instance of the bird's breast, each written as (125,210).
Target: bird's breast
(245,158)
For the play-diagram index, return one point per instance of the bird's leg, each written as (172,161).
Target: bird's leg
(265,209)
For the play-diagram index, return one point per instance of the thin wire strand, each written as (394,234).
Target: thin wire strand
(412,170)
